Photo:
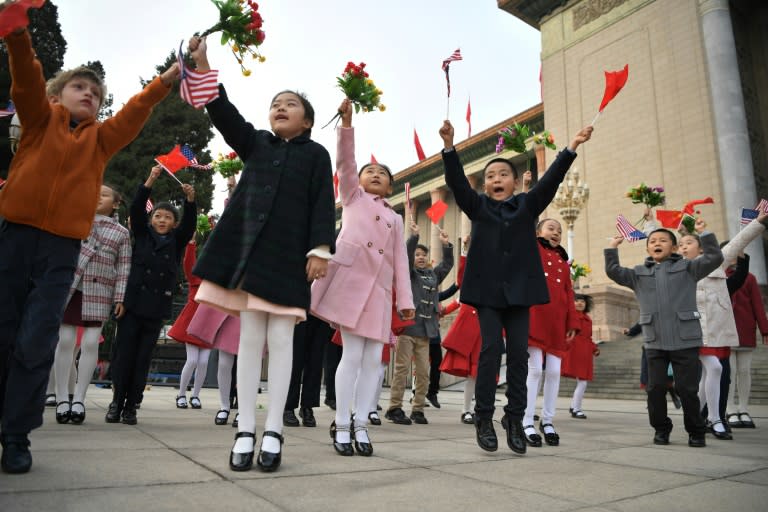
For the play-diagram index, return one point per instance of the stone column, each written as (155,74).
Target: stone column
(435,246)
(730,122)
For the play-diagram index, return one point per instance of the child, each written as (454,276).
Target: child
(579,360)
(48,204)
(414,341)
(718,325)
(274,237)
(98,286)
(552,327)
(198,351)
(370,261)
(504,276)
(749,313)
(665,287)
(157,248)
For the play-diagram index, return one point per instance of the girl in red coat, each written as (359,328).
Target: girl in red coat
(552,328)
(578,361)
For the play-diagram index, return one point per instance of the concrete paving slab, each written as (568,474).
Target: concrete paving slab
(711,495)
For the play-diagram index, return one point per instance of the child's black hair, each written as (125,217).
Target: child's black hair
(386,168)
(542,221)
(662,230)
(309,110)
(588,302)
(502,160)
(165,205)
(422,247)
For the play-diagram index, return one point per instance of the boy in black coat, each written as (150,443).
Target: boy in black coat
(158,245)
(503,276)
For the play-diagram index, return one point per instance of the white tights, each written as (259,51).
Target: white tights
(551,384)
(360,355)
(709,386)
(224,378)
(741,370)
(197,362)
(578,394)
(469,392)
(62,364)
(256,329)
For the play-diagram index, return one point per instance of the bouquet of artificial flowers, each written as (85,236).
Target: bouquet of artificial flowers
(228,165)
(240,26)
(360,90)
(578,270)
(649,196)
(514,137)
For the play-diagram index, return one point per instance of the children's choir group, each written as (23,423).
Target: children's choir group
(274,258)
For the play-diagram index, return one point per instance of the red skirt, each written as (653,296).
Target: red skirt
(718,352)
(578,362)
(178,330)
(73,315)
(462,344)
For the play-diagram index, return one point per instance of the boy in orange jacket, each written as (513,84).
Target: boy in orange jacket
(48,204)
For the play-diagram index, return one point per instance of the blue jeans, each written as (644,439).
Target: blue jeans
(36,272)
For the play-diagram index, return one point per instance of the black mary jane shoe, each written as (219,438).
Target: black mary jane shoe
(242,461)
(533,440)
(724,435)
(64,416)
(552,439)
(515,435)
(364,449)
(344,449)
(268,461)
(76,417)
(220,419)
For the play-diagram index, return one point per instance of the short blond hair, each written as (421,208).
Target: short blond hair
(55,85)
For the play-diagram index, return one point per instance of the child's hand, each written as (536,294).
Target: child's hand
(527,178)
(762,216)
(444,238)
(189,191)
(408,314)
(345,109)
(615,241)
(580,138)
(596,351)
(119,310)
(446,133)
(171,75)
(647,214)
(700,225)
(414,228)
(198,49)
(153,175)
(317,267)
(570,335)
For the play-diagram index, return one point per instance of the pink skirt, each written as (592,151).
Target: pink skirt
(232,302)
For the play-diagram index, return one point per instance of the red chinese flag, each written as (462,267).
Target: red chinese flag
(437,211)
(419,150)
(15,15)
(689,206)
(173,161)
(614,81)
(469,119)
(373,159)
(669,218)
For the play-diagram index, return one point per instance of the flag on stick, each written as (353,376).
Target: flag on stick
(15,15)
(373,159)
(614,82)
(173,162)
(748,215)
(408,194)
(9,110)
(469,119)
(419,150)
(149,206)
(192,159)
(197,88)
(762,206)
(628,231)
(456,55)
(437,211)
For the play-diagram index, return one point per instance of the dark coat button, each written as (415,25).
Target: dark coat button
(378,218)
(370,244)
(381,251)
(262,216)
(276,163)
(268,189)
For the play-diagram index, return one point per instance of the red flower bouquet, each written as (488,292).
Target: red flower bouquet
(240,26)
(649,196)
(228,165)
(360,90)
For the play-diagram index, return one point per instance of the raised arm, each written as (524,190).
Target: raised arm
(186,229)
(346,166)
(620,275)
(445,266)
(28,85)
(711,257)
(466,198)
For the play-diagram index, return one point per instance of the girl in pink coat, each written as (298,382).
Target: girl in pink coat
(356,295)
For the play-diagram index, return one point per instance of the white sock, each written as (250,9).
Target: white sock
(89,354)
(529,430)
(253,336)
(718,427)
(342,437)
(469,392)
(62,362)
(224,413)
(535,365)
(280,340)
(361,436)
(549,429)
(709,386)
(189,367)
(201,370)
(270,444)
(578,394)
(347,376)
(243,445)
(78,408)
(551,388)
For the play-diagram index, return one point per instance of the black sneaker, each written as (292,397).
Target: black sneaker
(330,402)
(433,400)
(129,415)
(16,456)
(290,419)
(397,415)
(418,417)
(307,417)
(113,413)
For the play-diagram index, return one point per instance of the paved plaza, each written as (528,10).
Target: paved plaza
(177,460)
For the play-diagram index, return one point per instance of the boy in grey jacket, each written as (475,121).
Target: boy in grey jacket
(665,287)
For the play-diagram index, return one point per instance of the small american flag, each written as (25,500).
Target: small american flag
(748,215)
(196,88)
(408,194)
(456,55)
(149,206)
(190,155)
(628,231)
(9,110)
(762,206)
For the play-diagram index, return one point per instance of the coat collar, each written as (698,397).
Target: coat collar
(673,258)
(376,197)
(559,249)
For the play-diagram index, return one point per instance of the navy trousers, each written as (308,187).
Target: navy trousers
(136,340)
(36,272)
(309,341)
(514,321)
